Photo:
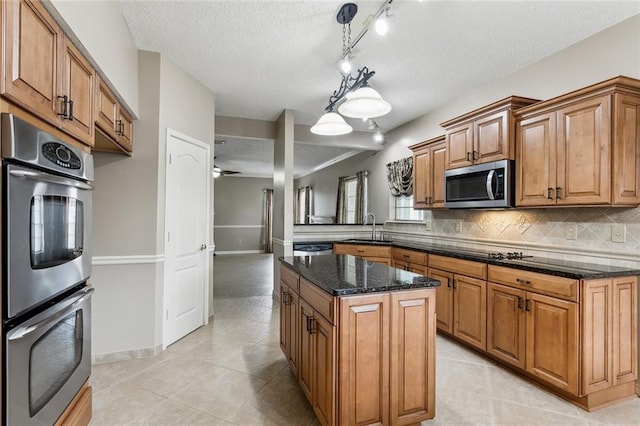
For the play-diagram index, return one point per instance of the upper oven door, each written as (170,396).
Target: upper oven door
(47,227)
(482,185)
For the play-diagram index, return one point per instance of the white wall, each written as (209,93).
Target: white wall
(102,30)
(238,208)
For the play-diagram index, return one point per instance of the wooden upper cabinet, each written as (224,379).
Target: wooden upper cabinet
(44,72)
(582,148)
(429,160)
(115,126)
(31,40)
(483,135)
(78,85)
(626,149)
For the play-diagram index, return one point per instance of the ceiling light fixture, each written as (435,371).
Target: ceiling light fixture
(360,100)
(382,24)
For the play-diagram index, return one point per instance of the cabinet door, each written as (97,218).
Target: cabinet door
(293,308)
(552,341)
(470,310)
(125,124)
(584,152)
(491,138)
(364,360)
(506,326)
(285,320)
(106,109)
(626,149)
(307,348)
(438,166)
(78,83)
(597,333)
(444,299)
(31,40)
(536,160)
(422,179)
(412,375)
(459,146)
(625,330)
(324,370)
(418,269)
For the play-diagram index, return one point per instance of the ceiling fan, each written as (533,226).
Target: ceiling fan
(217,171)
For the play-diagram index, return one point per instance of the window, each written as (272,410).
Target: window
(403,207)
(350,187)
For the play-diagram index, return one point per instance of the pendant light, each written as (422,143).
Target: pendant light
(331,124)
(364,102)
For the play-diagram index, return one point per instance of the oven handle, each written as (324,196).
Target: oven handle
(490,193)
(26,331)
(35,175)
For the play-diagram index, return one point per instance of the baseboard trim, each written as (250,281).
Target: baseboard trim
(126,355)
(127,260)
(238,252)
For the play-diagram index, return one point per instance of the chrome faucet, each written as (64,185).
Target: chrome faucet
(373,229)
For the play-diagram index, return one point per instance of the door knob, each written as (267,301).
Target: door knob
(203,246)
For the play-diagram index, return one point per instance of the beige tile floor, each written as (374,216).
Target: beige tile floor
(232,372)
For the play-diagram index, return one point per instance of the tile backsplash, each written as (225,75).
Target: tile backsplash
(569,232)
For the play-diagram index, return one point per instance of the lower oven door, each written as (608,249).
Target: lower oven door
(48,359)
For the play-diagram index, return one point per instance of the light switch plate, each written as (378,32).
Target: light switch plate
(571,231)
(618,233)
(427,226)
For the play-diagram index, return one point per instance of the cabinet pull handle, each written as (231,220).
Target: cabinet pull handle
(559,192)
(468,156)
(285,297)
(527,305)
(449,283)
(523,282)
(476,155)
(406,256)
(308,324)
(429,202)
(119,127)
(65,103)
(454,283)
(519,302)
(70,116)
(360,251)
(549,193)
(312,321)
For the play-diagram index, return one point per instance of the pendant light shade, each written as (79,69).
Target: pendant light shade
(364,103)
(331,124)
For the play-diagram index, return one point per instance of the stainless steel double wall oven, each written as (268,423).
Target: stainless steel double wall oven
(46,262)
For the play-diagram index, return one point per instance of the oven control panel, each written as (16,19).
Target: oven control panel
(61,155)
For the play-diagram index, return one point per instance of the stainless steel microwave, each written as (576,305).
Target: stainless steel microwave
(488,185)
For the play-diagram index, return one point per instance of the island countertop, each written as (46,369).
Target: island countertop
(340,275)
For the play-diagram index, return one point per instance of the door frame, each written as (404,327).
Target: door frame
(171,133)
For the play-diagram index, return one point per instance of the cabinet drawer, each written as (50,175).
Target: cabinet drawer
(410,256)
(459,266)
(290,278)
(319,300)
(362,250)
(564,288)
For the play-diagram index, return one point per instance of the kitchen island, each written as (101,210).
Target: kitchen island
(360,338)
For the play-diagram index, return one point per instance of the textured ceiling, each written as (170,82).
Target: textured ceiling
(260,57)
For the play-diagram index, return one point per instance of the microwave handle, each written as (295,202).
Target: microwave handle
(30,329)
(35,175)
(490,193)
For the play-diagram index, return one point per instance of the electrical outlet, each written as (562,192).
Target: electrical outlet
(459,226)
(427,226)
(571,231)
(618,233)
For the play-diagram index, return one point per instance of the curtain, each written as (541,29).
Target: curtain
(303,205)
(341,207)
(400,176)
(361,195)
(267,221)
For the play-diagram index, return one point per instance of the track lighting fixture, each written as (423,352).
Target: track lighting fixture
(354,98)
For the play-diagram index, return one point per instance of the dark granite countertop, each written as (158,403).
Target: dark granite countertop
(342,274)
(558,267)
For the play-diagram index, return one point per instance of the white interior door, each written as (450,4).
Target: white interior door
(187,231)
